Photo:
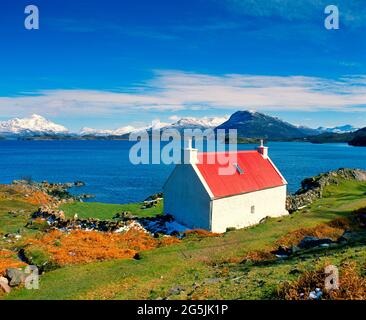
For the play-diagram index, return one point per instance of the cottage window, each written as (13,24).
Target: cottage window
(252,209)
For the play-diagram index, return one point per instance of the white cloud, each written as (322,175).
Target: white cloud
(176,90)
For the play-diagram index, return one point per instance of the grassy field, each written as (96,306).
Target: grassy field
(105,211)
(11,223)
(14,215)
(207,268)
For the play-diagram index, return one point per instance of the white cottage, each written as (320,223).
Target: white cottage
(198,196)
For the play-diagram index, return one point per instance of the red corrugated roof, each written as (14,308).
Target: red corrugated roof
(258,174)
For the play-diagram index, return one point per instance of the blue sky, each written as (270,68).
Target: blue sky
(107,64)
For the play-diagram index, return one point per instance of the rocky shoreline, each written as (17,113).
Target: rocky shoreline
(58,191)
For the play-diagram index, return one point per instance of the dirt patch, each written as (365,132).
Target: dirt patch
(80,246)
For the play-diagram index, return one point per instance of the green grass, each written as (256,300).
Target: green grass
(13,223)
(106,211)
(191,263)
(10,223)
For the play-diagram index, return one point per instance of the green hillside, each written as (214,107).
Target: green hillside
(211,267)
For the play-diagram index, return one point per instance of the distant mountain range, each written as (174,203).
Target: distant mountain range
(118,132)
(249,125)
(340,129)
(36,126)
(30,126)
(180,125)
(254,125)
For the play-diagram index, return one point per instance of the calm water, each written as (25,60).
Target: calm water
(105,166)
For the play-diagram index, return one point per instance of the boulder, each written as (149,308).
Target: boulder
(79,183)
(315,295)
(4,286)
(352,236)
(282,252)
(4,280)
(16,276)
(311,242)
(155,197)
(175,290)
(124,216)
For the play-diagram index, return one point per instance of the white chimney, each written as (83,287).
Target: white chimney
(189,154)
(263,150)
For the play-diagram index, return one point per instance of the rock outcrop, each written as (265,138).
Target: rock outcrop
(122,221)
(312,188)
(4,285)
(58,191)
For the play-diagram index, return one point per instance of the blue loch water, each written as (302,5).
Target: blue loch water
(108,173)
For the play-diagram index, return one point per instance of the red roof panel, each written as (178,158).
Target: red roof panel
(258,174)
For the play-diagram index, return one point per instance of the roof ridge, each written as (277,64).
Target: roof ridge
(220,152)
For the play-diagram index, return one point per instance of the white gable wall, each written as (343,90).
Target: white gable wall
(186,198)
(235,211)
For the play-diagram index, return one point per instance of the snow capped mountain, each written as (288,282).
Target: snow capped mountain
(340,129)
(95,132)
(196,123)
(248,123)
(179,124)
(156,125)
(35,124)
(124,130)
(38,125)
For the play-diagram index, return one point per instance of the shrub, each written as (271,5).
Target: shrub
(352,286)
(8,259)
(57,248)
